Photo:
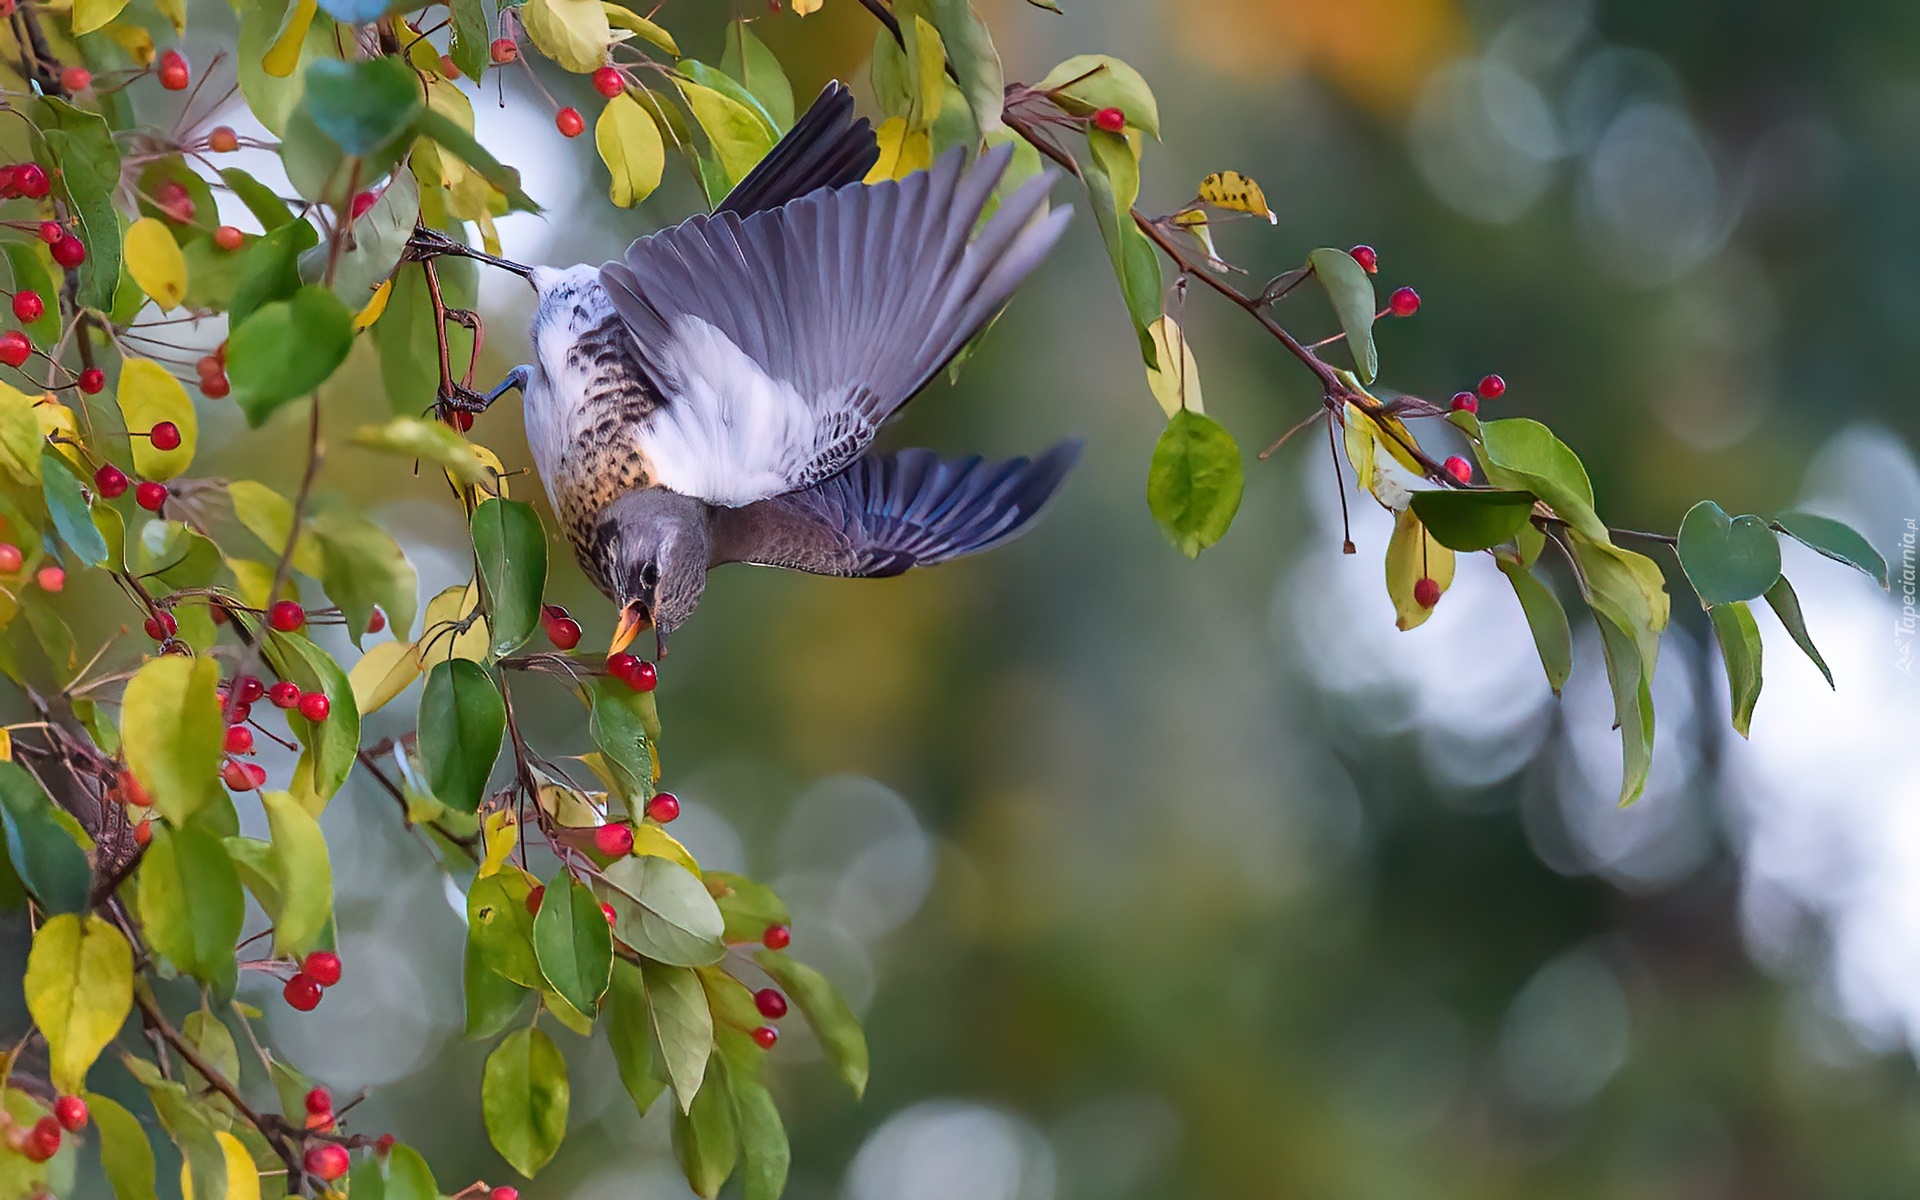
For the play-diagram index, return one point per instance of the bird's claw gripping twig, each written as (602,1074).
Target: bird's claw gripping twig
(425,244)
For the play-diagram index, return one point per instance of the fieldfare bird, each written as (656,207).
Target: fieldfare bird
(713,396)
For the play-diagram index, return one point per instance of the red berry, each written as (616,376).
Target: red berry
(608,82)
(236,777)
(1492,387)
(165,436)
(76,79)
(765,1036)
(110,481)
(315,707)
(1466,402)
(92,380)
(27,305)
(777,937)
(771,1003)
(174,75)
(1112,120)
(239,740)
(377,621)
(51,579)
(229,237)
(645,677)
(215,387)
(1404,302)
(460,419)
(1426,592)
(256,775)
(132,792)
(150,495)
(31,179)
(323,966)
(563,632)
(613,841)
(383,1144)
(286,615)
(364,201)
(329,1162)
(161,626)
(534,898)
(71,1112)
(503,1192)
(606,910)
(319,1101)
(241,713)
(69,251)
(622,666)
(569,122)
(221,139)
(302,992)
(43,1142)
(14,347)
(1459,468)
(176,203)
(209,365)
(11,559)
(143,833)
(664,807)
(250,688)
(503,51)
(1367,257)
(51,232)
(284,694)
(448,67)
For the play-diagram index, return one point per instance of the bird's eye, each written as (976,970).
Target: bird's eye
(650,574)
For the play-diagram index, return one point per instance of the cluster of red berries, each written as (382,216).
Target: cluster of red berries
(41,1140)
(319,1105)
(175,202)
(26,179)
(213,373)
(129,792)
(67,250)
(110,482)
(1404,302)
(318,972)
(1491,388)
(562,630)
(236,701)
(51,577)
(636,673)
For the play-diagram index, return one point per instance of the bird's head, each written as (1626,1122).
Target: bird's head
(654,546)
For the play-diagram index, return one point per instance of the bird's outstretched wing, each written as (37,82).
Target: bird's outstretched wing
(826,148)
(889,512)
(779,342)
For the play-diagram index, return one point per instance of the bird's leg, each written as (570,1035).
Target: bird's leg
(426,244)
(478,401)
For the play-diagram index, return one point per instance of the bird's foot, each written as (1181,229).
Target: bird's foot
(516,380)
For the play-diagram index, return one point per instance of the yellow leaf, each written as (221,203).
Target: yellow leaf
(1413,555)
(1236,193)
(500,835)
(739,135)
(135,40)
(432,441)
(629,143)
(1360,444)
(573,33)
(570,808)
(243,1177)
(79,986)
(651,840)
(929,57)
(383,673)
(902,151)
(284,55)
(269,516)
(20,437)
(496,472)
(367,316)
(252,580)
(175,11)
(89,15)
(1175,377)
(155,262)
(802,8)
(441,635)
(633,22)
(6,745)
(148,395)
(171,733)
(53,418)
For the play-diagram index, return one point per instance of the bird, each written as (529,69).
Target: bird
(713,395)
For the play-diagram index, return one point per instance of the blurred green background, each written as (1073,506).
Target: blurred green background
(1167,879)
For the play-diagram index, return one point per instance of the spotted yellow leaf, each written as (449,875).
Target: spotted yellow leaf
(155,262)
(1236,193)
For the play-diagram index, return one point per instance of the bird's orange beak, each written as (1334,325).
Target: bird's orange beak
(633,619)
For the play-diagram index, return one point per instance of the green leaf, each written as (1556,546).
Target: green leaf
(362,105)
(190,904)
(826,1011)
(79,986)
(1472,520)
(125,1155)
(1786,606)
(190,1130)
(330,745)
(705,1139)
(1350,290)
(1113,183)
(469,45)
(378,237)
(50,862)
(1739,636)
(630,144)
(1631,680)
(500,929)
(523,1096)
(629,1024)
(765,1155)
(287,348)
(738,131)
(682,1026)
(67,505)
(748,907)
(306,876)
(213,1042)
(747,59)
(1546,618)
(1195,481)
(1727,559)
(462,721)
(511,548)
(1523,455)
(172,731)
(620,733)
(663,910)
(573,944)
(429,440)
(461,144)
(269,270)
(492,1000)
(1835,539)
(975,60)
(365,569)
(262,201)
(1086,83)
(404,338)
(278,38)
(31,273)
(87,175)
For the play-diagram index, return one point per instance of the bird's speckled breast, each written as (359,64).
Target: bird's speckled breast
(586,404)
